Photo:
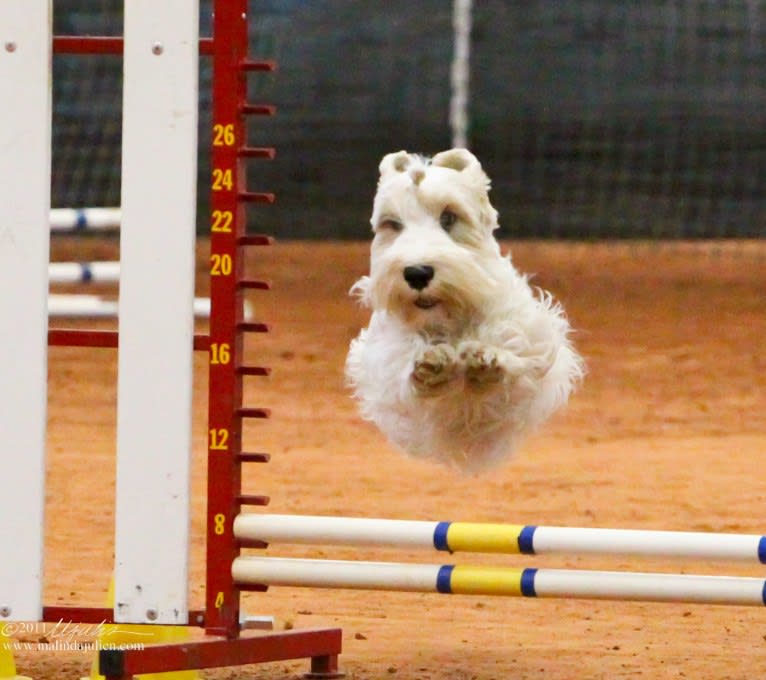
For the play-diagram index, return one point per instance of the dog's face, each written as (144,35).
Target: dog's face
(433,253)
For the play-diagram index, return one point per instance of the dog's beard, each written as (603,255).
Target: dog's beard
(459,294)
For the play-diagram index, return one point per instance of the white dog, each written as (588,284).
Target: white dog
(461,356)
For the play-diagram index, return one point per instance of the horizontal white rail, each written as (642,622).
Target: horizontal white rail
(85,219)
(499,581)
(81,306)
(498,538)
(95,306)
(84,272)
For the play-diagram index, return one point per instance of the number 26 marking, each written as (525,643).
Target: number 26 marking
(223,135)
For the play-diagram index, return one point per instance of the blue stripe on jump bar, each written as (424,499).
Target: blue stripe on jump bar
(86,273)
(440,536)
(762,550)
(526,540)
(444,579)
(81,220)
(528,583)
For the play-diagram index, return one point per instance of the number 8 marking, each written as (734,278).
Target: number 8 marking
(219,522)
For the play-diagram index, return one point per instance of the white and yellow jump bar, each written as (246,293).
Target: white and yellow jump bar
(499,581)
(499,538)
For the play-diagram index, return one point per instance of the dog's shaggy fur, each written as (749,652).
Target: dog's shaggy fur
(461,356)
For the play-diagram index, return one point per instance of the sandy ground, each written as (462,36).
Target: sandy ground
(668,432)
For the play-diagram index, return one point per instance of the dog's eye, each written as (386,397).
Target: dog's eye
(447,219)
(391,225)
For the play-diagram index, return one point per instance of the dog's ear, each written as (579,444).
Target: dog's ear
(463,160)
(456,159)
(394,162)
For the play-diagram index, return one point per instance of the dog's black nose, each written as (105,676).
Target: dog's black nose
(418,276)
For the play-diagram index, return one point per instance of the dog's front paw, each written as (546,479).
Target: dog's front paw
(485,365)
(434,369)
(482,365)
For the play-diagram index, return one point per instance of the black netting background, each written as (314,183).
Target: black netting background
(595,118)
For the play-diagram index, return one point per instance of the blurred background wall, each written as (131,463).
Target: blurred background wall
(594,118)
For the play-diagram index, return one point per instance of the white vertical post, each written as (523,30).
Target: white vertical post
(25,158)
(159,160)
(460,71)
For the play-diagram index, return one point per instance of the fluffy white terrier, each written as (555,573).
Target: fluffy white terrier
(461,356)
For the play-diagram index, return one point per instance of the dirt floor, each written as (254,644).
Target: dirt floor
(668,431)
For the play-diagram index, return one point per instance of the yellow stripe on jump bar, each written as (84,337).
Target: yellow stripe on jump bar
(485,538)
(466,580)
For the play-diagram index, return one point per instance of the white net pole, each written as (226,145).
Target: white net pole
(460,72)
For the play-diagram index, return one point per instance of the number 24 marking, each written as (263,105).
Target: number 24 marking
(222,179)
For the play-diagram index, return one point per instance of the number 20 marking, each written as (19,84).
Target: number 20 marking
(220,265)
